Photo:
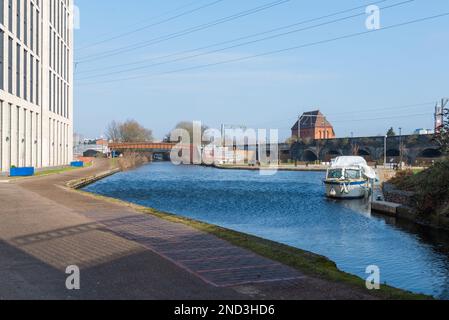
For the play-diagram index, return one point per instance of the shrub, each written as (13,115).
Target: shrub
(131,160)
(431,187)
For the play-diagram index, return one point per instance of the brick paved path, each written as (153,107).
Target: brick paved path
(215,261)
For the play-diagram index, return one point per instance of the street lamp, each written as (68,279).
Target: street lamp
(385,151)
(400,148)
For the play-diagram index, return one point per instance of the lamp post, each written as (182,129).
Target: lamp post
(385,151)
(400,148)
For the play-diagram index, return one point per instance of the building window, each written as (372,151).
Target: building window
(2,66)
(25,23)
(10,15)
(2,3)
(10,57)
(49,93)
(38,81)
(32,27)
(18,21)
(25,75)
(18,55)
(31,79)
(37,34)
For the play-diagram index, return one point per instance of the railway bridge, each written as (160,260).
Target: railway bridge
(413,149)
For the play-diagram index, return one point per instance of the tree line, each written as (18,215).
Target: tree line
(128,131)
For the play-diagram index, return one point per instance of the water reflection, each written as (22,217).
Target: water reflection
(361,206)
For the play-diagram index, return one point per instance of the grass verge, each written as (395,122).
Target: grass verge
(60,170)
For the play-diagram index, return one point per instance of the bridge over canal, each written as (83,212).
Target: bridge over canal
(151,148)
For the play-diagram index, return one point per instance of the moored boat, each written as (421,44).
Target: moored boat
(349,178)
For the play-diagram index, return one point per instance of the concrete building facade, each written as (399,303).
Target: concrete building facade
(36,77)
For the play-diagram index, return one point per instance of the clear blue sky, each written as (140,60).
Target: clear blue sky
(349,80)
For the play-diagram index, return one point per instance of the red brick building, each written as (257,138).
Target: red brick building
(314,125)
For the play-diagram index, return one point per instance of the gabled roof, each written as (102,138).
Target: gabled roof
(312,119)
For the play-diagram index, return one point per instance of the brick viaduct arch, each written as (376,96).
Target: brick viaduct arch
(416,148)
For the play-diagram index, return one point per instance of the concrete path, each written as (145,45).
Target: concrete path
(123,254)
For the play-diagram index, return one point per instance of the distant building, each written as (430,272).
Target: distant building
(91,147)
(313,125)
(102,142)
(423,131)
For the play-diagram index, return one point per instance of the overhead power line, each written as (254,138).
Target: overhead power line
(241,44)
(416,115)
(359,110)
(382,118)
(160,39)
(301,22)
(348,36)
(125,34)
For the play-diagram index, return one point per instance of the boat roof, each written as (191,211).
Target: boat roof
(349,161)
(356,163)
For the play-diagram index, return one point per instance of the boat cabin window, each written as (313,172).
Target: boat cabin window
(352,174)
(335,174)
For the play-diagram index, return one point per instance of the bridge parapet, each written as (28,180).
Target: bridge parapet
(142,146)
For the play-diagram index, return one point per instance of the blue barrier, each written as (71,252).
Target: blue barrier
(78,164)
(21,172)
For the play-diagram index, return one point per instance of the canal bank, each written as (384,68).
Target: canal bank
(419,196)
(299,168)
(51,227)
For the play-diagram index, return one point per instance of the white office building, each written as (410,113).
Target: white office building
(36,77)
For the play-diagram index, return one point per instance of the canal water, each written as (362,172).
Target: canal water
(290,208)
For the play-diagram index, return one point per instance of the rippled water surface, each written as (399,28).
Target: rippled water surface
(289,207)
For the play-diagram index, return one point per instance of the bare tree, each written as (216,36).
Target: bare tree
(113,131)
(132,131)
(188,126)
(129,131)
(355,149)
